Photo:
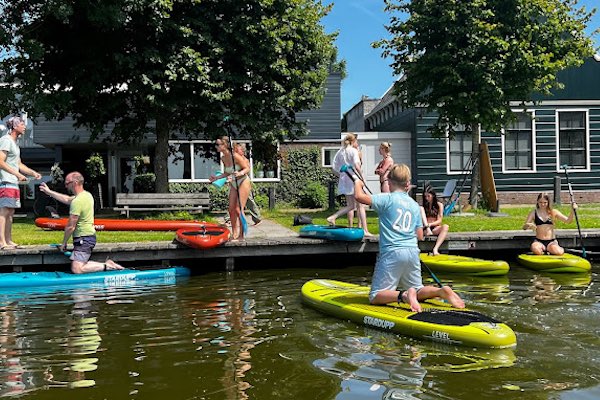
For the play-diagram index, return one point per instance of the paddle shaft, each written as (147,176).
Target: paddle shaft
(353,177)
(435,278)
(57,246)
(574,210)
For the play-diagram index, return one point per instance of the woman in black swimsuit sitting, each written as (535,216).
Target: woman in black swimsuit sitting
(541,220)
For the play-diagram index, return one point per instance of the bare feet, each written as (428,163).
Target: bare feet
(112,266)
(451,297)
(331,220)
(410,297)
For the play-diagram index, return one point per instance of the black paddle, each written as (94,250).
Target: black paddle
(574,210)
(345,168)
(435,278)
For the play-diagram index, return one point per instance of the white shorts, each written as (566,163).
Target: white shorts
(400,268)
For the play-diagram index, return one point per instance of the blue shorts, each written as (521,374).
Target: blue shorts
(82,248)
(399,268)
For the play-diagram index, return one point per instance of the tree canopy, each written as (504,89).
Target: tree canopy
(169,67)
(467,60)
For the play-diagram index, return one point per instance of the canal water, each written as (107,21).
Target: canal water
(246,335)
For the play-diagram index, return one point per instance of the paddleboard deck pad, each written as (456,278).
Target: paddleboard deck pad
(464,265)
(438,322)
(331,232)
(551,263)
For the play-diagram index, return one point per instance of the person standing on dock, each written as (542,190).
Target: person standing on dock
(80,225)
(541,220)
(400,228)
(348,155)
(12,171)
(251,205)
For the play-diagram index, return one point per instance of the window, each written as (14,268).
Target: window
(327,155)
(518,144)
(572,139)
(192,161)
(196,161)
(459,152)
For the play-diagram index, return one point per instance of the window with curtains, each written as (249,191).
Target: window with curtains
(572,139)
(518,144)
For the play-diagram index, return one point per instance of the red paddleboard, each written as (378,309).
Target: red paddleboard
(207,237)
(124,224)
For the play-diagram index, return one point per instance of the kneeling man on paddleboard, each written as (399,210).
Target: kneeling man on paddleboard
(400,228)
(80,225)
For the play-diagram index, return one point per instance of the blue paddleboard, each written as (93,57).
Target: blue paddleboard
(332,232)
(106,278)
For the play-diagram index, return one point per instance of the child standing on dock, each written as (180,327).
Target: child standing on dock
(400,228)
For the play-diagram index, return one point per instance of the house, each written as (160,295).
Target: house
(59,141)
(527,156)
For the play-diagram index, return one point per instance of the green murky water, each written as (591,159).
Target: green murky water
(245,335)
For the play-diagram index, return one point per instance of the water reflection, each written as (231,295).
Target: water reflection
(558,287)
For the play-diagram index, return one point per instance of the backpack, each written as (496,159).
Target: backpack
(302,220)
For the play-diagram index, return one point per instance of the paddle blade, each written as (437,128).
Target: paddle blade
(244,224)
(57,246)
(219,182)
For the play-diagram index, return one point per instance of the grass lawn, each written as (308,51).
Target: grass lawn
(25,232)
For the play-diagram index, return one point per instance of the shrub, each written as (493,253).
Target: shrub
(144,183)
(313,196)
(300,168)
(261,200)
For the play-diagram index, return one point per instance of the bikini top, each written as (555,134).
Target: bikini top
(539,221)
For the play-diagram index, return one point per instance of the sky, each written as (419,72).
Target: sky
(360,23)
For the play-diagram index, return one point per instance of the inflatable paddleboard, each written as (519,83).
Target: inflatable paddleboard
(207,237)
(551,263)
(331,232)
(438,322)
(107,278)
(123,224)
(464,265)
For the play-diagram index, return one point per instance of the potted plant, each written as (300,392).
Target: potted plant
(259,170)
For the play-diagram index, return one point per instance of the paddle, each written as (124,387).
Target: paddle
(574,210)
(57,246)
(435,278)
(242,216)
(345,168)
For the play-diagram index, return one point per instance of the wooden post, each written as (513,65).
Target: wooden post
(332,195)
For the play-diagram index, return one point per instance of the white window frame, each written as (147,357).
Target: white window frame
(587,138)
(248,144)
(323,150)
(505,170)
(448,169)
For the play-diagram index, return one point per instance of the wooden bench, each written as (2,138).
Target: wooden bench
(129,202)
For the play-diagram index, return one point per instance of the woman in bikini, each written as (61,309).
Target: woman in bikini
(384,166)
(239,188)
(432,213)
(541,220)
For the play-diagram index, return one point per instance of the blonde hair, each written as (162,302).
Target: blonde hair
(387,146)
(225,141)
(349,140)
(400,175)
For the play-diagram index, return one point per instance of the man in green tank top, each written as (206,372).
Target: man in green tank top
(80,225)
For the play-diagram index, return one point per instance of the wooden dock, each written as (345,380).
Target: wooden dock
(288,246)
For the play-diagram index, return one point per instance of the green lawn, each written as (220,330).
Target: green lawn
(25,232)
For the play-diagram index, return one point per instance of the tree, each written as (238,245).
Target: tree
(168,67)
(468,59)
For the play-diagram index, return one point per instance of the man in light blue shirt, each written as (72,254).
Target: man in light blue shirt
(400,228)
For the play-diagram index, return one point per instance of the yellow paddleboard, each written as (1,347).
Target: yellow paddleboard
(438,321)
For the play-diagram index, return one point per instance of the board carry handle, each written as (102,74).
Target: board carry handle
(565,166)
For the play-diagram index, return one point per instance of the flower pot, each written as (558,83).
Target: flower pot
(270,174)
